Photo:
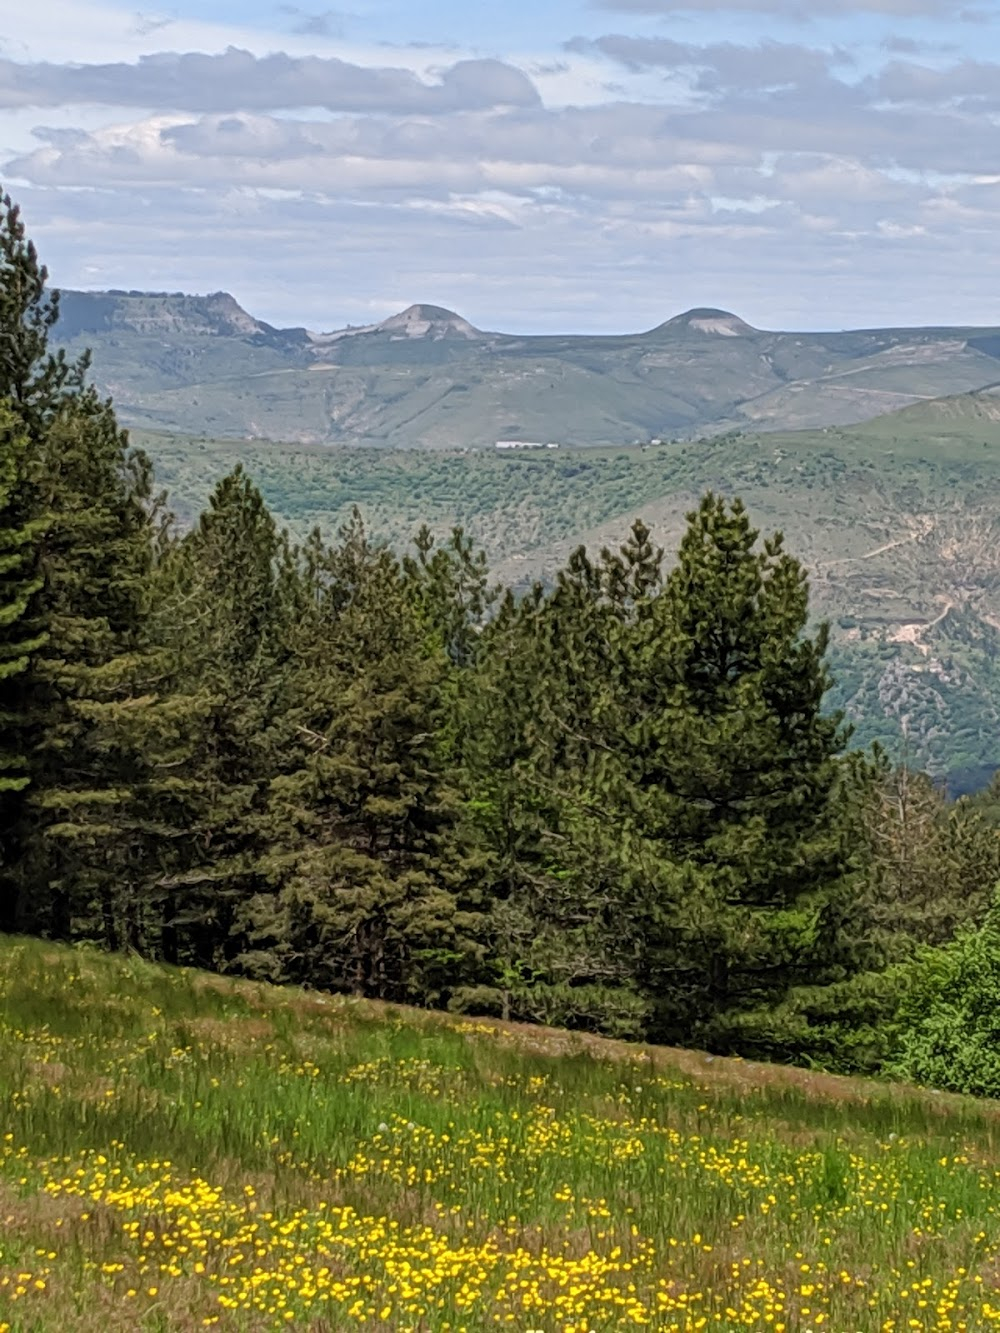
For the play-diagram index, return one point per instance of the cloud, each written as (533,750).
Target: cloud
(238,80)
(965,83)
(326,23)
(899,45)
(768,65)
(798,9)
(145,24)
(778,178)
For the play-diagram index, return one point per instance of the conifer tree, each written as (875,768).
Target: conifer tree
(93,567)
(223,627)
(450,590)
(87,497)
(17,586)
(727,776)
(34,380)
(543,704)
(366,857)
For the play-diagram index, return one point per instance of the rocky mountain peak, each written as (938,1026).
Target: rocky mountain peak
(705,319)
(428,321)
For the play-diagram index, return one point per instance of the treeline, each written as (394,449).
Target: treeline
(616,803)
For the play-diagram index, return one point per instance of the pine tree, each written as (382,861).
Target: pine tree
(450,589)
(87,497)
(542,704)
(93,567)
(34,380)
(366,856)
(727,778)
(17,586)
(224,624)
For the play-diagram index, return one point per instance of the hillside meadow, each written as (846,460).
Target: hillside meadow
(182,1151)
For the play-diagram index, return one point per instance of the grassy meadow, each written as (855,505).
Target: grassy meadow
(183,1151)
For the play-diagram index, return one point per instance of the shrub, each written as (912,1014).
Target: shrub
(950,1030)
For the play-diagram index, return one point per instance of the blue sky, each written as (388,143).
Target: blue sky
(591,165)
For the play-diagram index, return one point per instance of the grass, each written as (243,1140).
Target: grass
(182,1151)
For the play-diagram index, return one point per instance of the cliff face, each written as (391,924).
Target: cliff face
(155,313)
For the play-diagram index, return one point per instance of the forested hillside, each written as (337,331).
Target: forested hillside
(894,521)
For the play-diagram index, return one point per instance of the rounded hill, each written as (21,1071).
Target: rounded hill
(707,320)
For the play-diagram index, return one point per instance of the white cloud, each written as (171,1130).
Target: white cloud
(238,80)
(798,9)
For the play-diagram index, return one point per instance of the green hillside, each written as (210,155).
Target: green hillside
(896,520)
(182,1151)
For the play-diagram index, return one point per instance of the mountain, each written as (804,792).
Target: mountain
(427,321)
(163,315)
(426,377)
(720,323)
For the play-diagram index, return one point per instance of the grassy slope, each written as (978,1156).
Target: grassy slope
(183,1151)
(895,521)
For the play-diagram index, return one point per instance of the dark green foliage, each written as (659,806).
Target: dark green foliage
(226,604)
(86,497)
(92,566)
(725,777)
(18,584)
(33,380)
(851,1026)
(536,708)
(367,872)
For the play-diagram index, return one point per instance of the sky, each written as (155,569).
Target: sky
(546,166)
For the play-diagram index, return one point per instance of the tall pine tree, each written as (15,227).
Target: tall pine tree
(18,584)
(88,495)
(366,858)
(727,779)
(223,627)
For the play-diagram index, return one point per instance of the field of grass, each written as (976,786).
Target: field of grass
(182,1151)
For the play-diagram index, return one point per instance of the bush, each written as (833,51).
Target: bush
(950,1033)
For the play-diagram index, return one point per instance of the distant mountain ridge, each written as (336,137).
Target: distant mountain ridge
(427,377)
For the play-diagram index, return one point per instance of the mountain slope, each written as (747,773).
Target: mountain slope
(896,520)
(428,378)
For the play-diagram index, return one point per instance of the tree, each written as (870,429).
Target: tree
(450,589)
(542,705)
(931,866)
(18,584)
(86,496)
(725,774)
(366,854)
(227,600)
(92,566)
(948,1016)
(34,380)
